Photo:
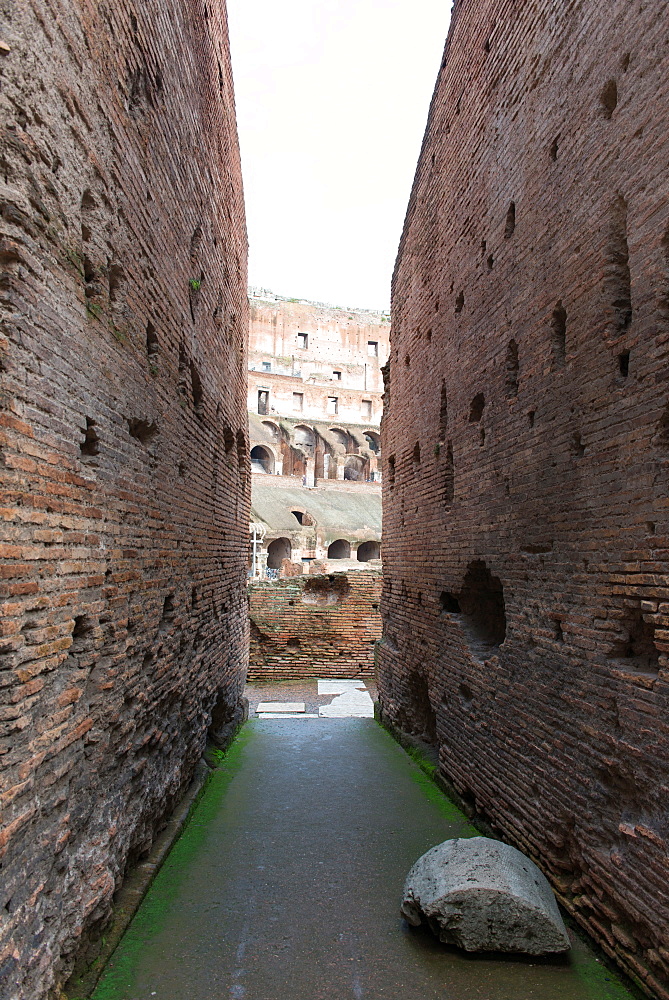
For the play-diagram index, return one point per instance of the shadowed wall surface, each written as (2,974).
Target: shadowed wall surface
(526,451)
(124,447)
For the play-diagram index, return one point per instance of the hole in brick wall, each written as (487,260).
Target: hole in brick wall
(391,470)
(116,283)
(407,361)
(193,597)
(625,61)
(608,98)
(429,336)
(293,643)
(510,224)
(650,527)
(181,468)
(481,436)
(466,694)
(195,247)
(636,649)
(624,363)
(661,437)
(91,443)
(559,335)
(490,262)
(375,607)
(436,305)
(241,452)
(325,589)
(617,278)
(417,715)
(459,302)
(483,614)
(531,415)
(197,390)
(151,340)
(220,77)
(82,635)
(577,446)
(142,430)
(169,609)
(558,633)
(553,151)
(416,453)
(443,411)
(664,296)
(449,603)
(449,476)
(512,369)
(476,408)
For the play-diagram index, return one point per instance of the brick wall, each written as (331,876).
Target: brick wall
(124,447)
(315,626)
(526,451)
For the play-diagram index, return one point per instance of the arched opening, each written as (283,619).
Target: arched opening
(354,468)
(262,460)
(277,551)
(272,429)
(341,437)
(303,518)
(340,549)
(483,614)
(305,438)
(373,442)
(369,550)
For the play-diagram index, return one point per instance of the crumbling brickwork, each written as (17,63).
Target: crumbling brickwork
(316,626)
(124,447)
(526,451)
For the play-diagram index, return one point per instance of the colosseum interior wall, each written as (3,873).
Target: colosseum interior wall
(525,444)
(124,447)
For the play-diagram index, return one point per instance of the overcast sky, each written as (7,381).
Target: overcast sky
(332,100)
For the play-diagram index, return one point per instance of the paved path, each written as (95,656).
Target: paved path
(286,885)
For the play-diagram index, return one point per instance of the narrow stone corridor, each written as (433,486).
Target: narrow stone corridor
(286,884)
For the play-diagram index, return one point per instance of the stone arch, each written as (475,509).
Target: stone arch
(304,437)
(273,429)
(355,467)
(373,442)
(277,551)
(368,550)
(262,459)
(340,436)
(339,549)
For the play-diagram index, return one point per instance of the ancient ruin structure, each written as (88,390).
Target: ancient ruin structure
(124,448)
(316,626)
(526,451)
(314,397)
(315,389)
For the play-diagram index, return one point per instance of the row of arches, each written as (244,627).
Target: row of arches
(281,549)
(327,452)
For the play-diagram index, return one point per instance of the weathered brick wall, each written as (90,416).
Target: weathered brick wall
(315,626)
(124,447)
(526,450)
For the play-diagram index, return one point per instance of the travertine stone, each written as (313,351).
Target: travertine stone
(483,895)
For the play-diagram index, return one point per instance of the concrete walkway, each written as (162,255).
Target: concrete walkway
(286,885)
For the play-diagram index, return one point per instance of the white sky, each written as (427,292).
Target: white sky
(332,101)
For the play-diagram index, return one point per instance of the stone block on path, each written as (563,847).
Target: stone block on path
(482,895)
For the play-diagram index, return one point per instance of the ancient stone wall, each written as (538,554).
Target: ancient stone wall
(526,451)
(124,447)
(315,626)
